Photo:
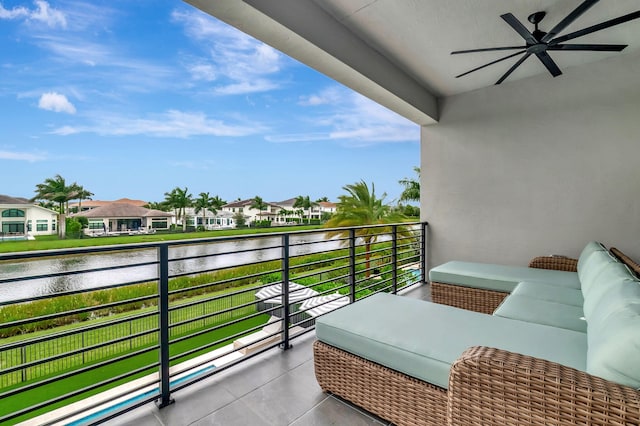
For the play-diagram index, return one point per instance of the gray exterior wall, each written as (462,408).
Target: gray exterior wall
(536,166)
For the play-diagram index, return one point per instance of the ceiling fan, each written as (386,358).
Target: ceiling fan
(539,42)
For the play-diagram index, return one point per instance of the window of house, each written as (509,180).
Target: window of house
(13,213)
(42,225)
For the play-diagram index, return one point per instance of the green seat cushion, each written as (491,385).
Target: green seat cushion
(551,293)
(498,277)
(544,312)
(422,339)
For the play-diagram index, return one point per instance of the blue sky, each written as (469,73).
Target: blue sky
(131,98)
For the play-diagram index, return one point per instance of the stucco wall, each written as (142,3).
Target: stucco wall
(536,166)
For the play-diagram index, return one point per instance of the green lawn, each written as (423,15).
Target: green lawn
(51,242)
(61,387)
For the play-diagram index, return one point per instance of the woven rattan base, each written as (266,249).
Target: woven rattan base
(471,299)
(387,393)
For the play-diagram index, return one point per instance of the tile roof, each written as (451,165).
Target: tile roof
(5,199)
(122,210)
(99,203)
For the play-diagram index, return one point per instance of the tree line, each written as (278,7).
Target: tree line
(360,205)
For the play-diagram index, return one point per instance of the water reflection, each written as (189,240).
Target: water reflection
(184,259)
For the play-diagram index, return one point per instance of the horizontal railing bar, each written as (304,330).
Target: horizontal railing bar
(225,281)
(79,272)
(75,311)
(76,372)
(204,271)
(76,331)
(226,253)
(72,292)
(174,243)
(77,351)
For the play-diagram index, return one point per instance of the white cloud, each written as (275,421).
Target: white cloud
(53,101)
(328,96)
(43,13)
(171,124)
(204,72)
(237,62)
(15,13)
(22,156)
(352,119)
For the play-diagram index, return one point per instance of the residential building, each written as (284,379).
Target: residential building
(21,218)
(123,217)
(209,220)
(252,214)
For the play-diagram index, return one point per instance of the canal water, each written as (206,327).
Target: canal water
(184,259)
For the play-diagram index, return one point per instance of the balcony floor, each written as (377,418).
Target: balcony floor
(273,389)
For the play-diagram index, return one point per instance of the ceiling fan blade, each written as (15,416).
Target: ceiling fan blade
(577,12)
(549,63)
(516,65)
(520,29)
(597,27)
(490,63)
(488,49)
(589,47)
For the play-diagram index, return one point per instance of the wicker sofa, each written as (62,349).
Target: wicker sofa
(420,363)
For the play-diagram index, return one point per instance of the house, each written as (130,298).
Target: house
(221,219)
(251,214)
(123,217)
(315,212)
(21,218)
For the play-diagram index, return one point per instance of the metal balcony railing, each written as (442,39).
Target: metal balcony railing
(102,330)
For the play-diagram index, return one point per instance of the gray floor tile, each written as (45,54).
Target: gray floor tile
(142,416)
(288,397)
(236,413)
(332,411)
(194,403)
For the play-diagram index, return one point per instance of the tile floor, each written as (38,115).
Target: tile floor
(276,388)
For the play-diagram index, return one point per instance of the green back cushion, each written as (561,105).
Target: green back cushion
(595,264)
(612,310)
(608,285)
(588,250)
(614,345)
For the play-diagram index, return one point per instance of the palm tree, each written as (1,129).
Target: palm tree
(411,190)
(306,203)
(179,199)
(56,190)
(324,199)
(82,194)
(361,207)
(162,206)
(258,203)
(202,204)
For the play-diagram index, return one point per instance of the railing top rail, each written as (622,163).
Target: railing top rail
(175,243)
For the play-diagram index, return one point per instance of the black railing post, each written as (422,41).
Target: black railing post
(163,309)
(352,265)
(394,258)
(285,292)
(424,226)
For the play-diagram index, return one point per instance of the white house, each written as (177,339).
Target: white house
(252,214)
(221,219)
(21,218)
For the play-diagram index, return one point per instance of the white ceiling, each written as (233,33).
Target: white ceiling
(419,35)
(397,52)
